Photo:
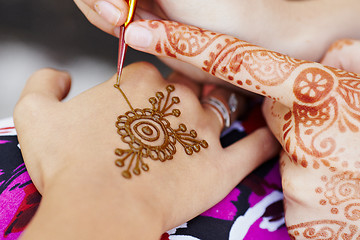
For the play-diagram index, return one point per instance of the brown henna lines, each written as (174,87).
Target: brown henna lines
(324,230)
(182,39)
(322,98)
(149,134)
(227,55)
(235,58)
(342,193)
(326,98)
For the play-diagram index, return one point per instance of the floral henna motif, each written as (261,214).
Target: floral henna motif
(150,135)
(324,229)
(326,98)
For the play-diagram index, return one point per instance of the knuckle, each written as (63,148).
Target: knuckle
(28,104)
(341,44)
(144,73)
(43,72)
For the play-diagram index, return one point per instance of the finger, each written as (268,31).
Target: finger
(246,155)
(180,79)
(247,66)
(224,106)
(344,54)
(106,15)
(49,83)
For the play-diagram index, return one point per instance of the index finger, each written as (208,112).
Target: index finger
(256,69)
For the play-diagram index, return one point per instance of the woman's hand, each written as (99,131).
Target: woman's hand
(301,29)
(70,150)
(320,136)
(313,110)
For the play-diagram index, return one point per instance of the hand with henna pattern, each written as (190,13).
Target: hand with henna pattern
(300,29)
(312,109)
(74,153)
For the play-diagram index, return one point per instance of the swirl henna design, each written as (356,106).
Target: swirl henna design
(327,98)
(320,98)
(228,54)
(184,40)
(150,135)
(325,230)
(342,193)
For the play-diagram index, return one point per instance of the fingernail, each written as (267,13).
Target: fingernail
(137,36)
(108,11)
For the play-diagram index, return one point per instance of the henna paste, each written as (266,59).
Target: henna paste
(149,134)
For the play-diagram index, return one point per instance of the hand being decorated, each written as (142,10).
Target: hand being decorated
(312,109)
(149,164)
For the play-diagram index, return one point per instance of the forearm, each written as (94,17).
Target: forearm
(71,209)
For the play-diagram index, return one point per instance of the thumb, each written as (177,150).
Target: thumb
(49,83)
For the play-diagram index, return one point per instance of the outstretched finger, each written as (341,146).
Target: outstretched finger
(244,156)
(256,69)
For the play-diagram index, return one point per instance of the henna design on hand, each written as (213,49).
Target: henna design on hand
(150,135)
(323,115)
(326,98)
(321,98)
(342,193)
(184,40)
(324,229)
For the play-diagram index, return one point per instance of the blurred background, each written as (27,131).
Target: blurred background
(41,33)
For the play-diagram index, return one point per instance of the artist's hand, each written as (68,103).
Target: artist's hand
(301,29)
(313,110)
(71,146)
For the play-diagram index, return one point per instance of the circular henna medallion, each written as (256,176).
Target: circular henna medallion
(312,85)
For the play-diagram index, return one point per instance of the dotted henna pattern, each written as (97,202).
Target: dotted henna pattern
(325,230)
(342,193)
(150,135)
(324,98)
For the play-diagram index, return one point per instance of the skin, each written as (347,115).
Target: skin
(82,167)
(313,110)
(300,29)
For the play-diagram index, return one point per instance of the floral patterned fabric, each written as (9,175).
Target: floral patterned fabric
(253,210)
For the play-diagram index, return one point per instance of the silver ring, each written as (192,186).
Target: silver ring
(223,110)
